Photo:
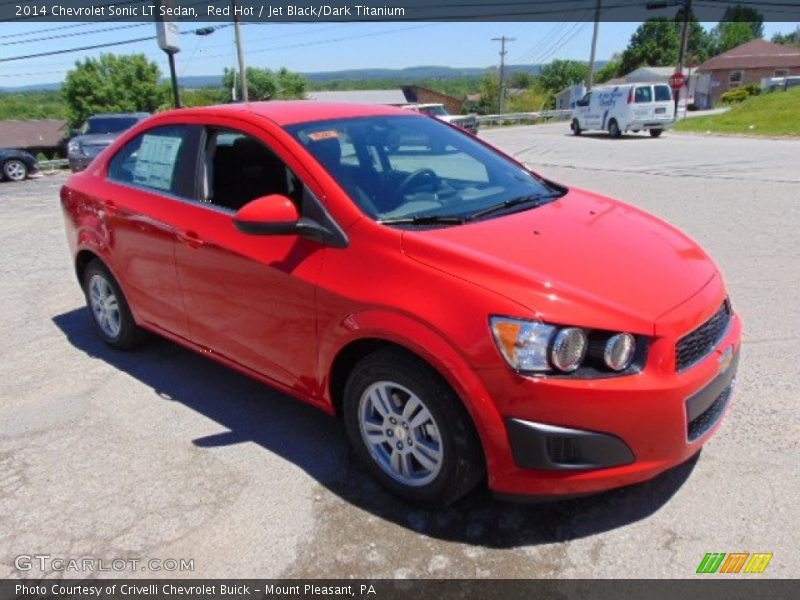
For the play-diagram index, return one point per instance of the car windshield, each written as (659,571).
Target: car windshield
(108,124)
(402,168)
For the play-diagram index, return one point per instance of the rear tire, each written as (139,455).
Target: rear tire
(614,131)
(576,127)
(656,132)
(109,309)
(411,431)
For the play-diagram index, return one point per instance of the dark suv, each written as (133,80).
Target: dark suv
(97,133)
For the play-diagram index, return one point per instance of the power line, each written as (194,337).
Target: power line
(74,34)
(556,47)
(530,52)
(98,46)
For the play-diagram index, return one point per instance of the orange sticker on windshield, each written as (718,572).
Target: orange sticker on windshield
(318,136)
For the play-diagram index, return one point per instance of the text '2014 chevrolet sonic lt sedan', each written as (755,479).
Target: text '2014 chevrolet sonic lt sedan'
(463,315)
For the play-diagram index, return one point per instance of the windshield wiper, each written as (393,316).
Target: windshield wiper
(537,199)
(425,220)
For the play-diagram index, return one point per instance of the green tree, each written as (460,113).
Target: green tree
(522,80)
(610,70)
(656,43)
(490,93)
(291,85)
(788,39)
(112,83)
(263,84)
(739,24)
(562,73)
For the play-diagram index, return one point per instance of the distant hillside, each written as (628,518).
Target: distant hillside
(321,77)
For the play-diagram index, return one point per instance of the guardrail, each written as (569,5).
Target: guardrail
(524,117)
(58,163)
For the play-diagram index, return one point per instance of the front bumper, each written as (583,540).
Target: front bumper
(662,417)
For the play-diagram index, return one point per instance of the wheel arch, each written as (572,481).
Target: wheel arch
(445,361)
(82,260)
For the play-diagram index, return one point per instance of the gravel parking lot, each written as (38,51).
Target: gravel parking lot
(163,454)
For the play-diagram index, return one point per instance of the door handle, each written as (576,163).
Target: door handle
(190,238)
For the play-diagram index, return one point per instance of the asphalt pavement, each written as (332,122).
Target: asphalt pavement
(162,454)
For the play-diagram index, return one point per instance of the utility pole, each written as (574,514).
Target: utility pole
(687,10)
(240,50)
(503,53)
(169,40)
(590,76)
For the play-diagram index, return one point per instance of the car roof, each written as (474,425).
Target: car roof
(290,112)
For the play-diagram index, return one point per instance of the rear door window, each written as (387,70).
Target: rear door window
(663,93)
(643,94)
(162,159)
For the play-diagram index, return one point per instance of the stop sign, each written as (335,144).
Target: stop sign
(677,80)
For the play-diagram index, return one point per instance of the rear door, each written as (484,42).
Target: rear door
(643,105)
(148,180)
(664,103)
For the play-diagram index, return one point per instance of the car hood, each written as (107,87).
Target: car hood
(583,260)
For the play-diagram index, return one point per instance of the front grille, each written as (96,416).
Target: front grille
(707,419)
(695,346)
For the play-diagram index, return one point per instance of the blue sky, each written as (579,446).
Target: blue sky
(319,47)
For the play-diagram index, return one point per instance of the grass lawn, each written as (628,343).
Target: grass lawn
(777,113)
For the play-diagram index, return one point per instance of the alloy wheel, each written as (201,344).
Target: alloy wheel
(400,433)
(104,305)
(15,170)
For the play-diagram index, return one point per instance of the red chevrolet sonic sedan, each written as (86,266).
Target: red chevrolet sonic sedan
(464,316)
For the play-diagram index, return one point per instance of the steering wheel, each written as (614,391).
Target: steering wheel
(418,174)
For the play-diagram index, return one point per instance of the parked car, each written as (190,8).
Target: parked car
(17,165)
(96,134)
(438,111)
(464,316)
(622,108)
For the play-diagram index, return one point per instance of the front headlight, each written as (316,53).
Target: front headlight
(74,147)
(536,347)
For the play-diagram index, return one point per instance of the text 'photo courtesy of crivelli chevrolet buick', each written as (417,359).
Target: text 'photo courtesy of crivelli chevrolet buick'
(469,321)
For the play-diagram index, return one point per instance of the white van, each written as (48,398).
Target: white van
(630,107)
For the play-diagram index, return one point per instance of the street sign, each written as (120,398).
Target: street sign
(169,36)
(167,32)
(677,80)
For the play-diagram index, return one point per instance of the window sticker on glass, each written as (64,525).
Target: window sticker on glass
(318,136)
(155,162)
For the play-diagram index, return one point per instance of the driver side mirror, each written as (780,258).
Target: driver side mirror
(268,215)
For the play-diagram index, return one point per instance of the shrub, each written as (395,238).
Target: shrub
(741,93)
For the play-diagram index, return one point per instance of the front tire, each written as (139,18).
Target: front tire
(656,132)
(614,131)
(111,315)
(409,428)
(576,127)
(15,170)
